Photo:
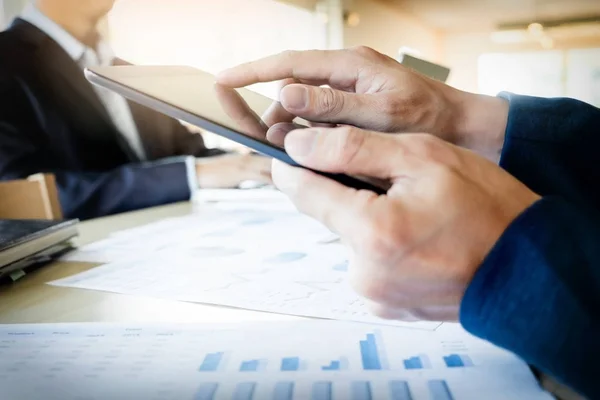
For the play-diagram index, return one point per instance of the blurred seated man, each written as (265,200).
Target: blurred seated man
(108,155)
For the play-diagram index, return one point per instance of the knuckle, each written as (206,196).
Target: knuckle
(288,54)
(365,52)
(427,143)
(375,290)
(443,175)
(427,147)
(303,181)
(382,240)
(446,183)
(329,102)
(348,143)
(367,280)
(382,311)
(244,160)
(327,215)
(284,82)
(374,244)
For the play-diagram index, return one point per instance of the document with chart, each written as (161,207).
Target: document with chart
(279,361)
(281,262)
(303,279)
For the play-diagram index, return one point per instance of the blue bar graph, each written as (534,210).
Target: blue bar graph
(207,391)
(417,362)
(458,361)
(211,362)
(413,363)
(283,391)
(253,365)
(399,390)
(322,391)
(334,366)
(244,391)
(370,353)
(381,350)
(342,267)
(439,390)
(361,391)
(290,364)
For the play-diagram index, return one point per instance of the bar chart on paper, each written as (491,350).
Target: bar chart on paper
(458,361)
(279,361)
(417,362)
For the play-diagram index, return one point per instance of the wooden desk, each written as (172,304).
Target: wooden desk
(30,300)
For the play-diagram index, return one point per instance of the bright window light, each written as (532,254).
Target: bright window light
(211,35)
(535,74)
(583,75)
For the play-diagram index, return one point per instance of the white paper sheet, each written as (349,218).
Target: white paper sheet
(300,279)
(276,261)
(274,222)
(239,195)
(280,361)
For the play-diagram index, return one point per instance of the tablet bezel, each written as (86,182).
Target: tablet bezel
(96,77)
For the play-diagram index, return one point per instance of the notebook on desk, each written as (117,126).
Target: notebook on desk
(24,243)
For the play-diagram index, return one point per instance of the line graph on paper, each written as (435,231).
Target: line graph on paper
(274,261)
(307,280)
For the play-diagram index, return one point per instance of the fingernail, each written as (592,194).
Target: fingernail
(300,143)
(294,97)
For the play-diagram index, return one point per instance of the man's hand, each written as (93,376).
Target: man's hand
(375,92)
(228,171)
(417,248)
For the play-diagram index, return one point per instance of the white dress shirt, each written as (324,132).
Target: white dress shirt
(85,57)
(115,105)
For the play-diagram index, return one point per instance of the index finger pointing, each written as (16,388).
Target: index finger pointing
(319,65)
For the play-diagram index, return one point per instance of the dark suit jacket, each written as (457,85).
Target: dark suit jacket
(537,293)
(51,120)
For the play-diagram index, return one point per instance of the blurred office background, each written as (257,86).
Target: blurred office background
(537,47)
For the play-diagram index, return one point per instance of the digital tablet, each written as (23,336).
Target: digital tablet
(191,95)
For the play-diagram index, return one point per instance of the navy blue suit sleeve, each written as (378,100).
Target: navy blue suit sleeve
(553,147)
(86,195)
(537,293)
(26,148)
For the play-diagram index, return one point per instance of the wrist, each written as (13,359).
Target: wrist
(479,123)
(202,175)
(214,172)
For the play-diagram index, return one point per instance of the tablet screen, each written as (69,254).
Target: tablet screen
(196,92)
(193,96)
